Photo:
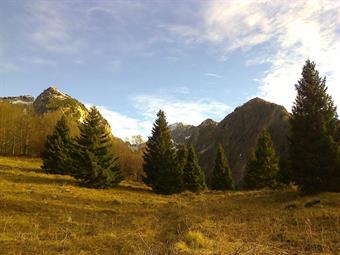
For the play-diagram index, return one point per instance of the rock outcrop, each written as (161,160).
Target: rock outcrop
(52,99)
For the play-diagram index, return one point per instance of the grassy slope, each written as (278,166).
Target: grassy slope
(50,214)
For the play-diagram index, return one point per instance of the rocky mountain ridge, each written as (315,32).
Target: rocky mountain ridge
(26,99)
(237,133)
(51,99)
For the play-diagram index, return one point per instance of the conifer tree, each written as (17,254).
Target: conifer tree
(222,179)
(56,157)
(94,161)
(314,152)
(160,166)
(262,166)
(182,156)
(193,176)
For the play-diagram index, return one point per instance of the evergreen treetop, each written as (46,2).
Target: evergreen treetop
(160,166)
(314,152)
(222,179)
(182,156)
(94,161)
(193,176)
(262,166)
(56,157)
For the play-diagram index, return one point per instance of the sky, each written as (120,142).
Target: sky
(194,59)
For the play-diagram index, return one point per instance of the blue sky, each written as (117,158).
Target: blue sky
(194,59)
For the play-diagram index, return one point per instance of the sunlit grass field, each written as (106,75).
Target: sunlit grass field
(52,214)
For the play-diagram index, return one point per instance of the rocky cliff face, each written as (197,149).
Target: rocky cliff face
(238,134)
(52,99)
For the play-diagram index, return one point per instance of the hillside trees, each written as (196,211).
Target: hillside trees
(160,167)
(130,158)
(56,157)
(262,166)
(193,176)
(94,162)
(222,179)
(22,131)
(314,142)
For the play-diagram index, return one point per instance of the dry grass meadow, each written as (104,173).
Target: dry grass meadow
(52,214)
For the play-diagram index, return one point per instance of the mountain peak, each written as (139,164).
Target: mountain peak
(53,92)
(51,99)
(259,103)
(208,122)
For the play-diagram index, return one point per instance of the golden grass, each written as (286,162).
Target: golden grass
(51,214)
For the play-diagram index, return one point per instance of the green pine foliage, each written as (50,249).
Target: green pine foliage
(314,149)
(182,156)
(262,167)
(94,162)
(160,166)
(222,179)
(56,156)
(193,176)
(284,175)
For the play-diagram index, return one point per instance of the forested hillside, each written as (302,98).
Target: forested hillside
(25,124)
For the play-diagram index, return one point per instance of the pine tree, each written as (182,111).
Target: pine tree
(222,179)
(94,162)
(262,167)
(160,166)
(56,157)
(193,176)
(182,156)
(314,152)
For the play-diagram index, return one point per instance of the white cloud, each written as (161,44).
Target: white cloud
(213,75)
(52,28)
(294,32)
(186,111)
(122,126)
(282,34)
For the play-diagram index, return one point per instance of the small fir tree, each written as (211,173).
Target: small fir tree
(262,167)
(314,152)
(94,162)
(222,179)
(160,166)
(193,176)
(56,156)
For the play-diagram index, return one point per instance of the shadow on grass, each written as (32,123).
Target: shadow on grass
(21,168)
(270,198)
(36,179)
(133,188)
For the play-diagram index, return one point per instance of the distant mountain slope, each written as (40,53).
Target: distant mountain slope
(27,99)
(237,132)
(50,100)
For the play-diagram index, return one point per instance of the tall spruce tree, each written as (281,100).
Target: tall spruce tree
(160,166)
(262,166)
(56,156)
(222,179)
(314,152)
(94,162)
(193,176)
